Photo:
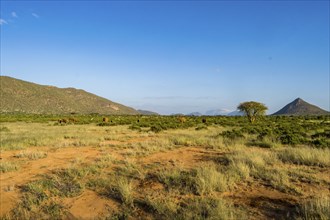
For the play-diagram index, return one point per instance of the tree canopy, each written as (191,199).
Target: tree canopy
(252,109)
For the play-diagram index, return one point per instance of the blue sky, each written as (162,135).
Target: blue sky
(172,56)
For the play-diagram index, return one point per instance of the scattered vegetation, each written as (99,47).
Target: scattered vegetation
(6,166)
(31,155)
(170,167)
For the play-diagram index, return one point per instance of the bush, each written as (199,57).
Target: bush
(135,127)
(325,134)
(290,138)
(156,128)
(105,124)
(261,144)
(201,127)
(251,130)
(321,143)
(265,133)
(232,135)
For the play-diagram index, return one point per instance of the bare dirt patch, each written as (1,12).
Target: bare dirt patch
(32,169)
(263,201)
(186,157)
(89,205)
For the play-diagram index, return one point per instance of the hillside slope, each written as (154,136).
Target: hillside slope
(146,112)
(21,96)
(300,107)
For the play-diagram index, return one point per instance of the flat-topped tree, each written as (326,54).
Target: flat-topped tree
(252,109)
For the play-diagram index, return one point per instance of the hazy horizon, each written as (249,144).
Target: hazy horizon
(172,57)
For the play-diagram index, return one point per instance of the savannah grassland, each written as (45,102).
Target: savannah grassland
(164,167)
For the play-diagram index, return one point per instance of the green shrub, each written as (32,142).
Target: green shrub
(156,128)
(290,138)
(251,129)
(201,127)
(325,134)
(105,124)
(261,144)
(232,135)
(135,127)
(321,143)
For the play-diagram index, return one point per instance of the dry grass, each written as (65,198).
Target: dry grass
(209,179)
(31,155)
(25,135)
(260,164)
(316,208)
(306,156)
(123,190)
(6,166)
(126,170)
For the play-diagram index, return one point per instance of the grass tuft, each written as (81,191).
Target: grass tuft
(316,208)
(210,208)
(306,156)
(122,190)
(6,166)
(32,155)
(203,180)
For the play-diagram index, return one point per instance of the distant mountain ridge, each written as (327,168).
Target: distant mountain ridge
(215,112)
(300,107)
(235,113)
(146,112)
(26,97)
(195,114)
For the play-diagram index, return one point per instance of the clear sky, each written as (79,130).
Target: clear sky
(172,56)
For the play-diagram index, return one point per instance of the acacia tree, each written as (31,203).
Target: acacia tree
(252,109)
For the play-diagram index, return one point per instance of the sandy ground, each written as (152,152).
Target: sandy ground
(31,169)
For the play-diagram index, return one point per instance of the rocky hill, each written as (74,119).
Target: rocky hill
(26,97)
(300,107)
